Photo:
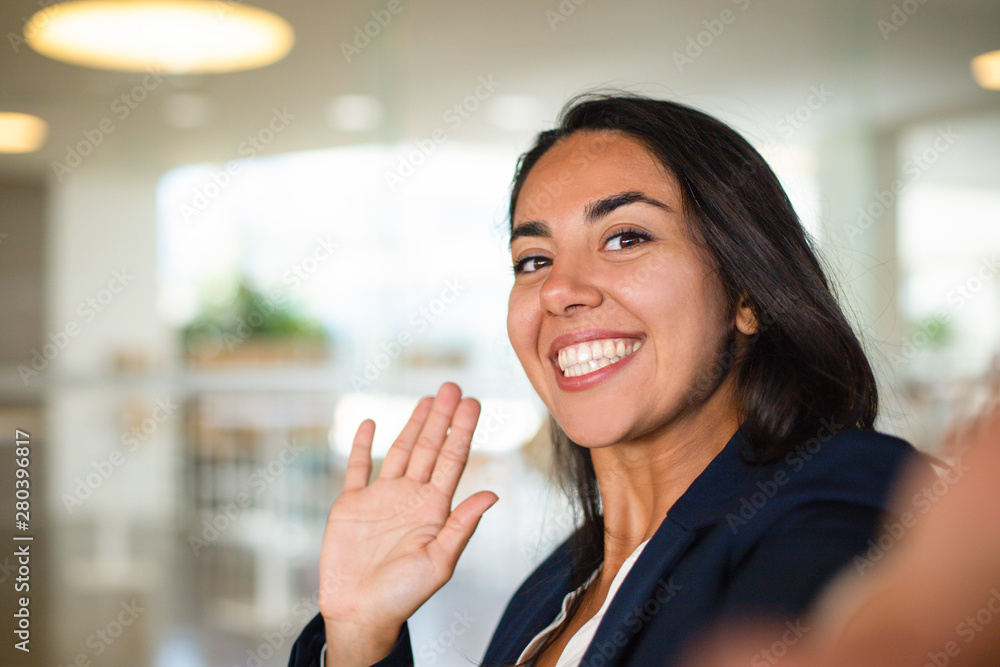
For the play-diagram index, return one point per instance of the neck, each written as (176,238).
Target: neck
(640,480)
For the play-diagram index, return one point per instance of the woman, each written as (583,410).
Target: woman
(712,410)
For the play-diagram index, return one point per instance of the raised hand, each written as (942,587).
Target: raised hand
(389,545)
(921,603)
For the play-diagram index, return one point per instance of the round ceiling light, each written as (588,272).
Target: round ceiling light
(986,70)
(21,132)
(172,36)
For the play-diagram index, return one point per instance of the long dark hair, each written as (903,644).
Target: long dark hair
(804,367)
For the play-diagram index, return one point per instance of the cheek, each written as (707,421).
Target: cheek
(712,327)
(682,309)
(663,299)
(522,328)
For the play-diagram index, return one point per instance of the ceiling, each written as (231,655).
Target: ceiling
(762,62)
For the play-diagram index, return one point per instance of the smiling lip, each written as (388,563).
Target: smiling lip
(590,379)
(578,337)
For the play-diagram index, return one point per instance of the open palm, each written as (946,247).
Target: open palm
(390,544)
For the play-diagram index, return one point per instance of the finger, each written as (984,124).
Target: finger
(432,435)
(746,643)
(983,432)
(398,456)
(455,452)
(359,463)
(462,522)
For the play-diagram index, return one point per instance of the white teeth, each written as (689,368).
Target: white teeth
(577,360)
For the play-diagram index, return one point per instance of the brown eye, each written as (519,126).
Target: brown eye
(626,238)
(530,264)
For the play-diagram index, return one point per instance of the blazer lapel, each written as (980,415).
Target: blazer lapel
(545,590)
(632,603)
(698,506)
(539,601)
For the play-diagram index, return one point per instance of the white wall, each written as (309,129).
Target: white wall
(101,277)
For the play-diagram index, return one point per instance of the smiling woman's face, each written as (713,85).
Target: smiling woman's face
(615,315)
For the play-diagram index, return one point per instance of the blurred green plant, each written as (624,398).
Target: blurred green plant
(938,331)
(253,314)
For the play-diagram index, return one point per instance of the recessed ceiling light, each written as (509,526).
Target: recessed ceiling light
(21,132)
(986,70)
(173,36)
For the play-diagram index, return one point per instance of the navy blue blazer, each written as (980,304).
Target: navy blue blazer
(742,541)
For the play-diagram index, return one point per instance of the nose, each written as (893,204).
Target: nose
(570,286)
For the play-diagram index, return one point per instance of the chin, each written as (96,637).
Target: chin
(592,436)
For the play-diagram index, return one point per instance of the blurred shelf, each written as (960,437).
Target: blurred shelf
(327,378)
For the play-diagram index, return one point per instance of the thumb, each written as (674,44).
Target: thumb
(462,523)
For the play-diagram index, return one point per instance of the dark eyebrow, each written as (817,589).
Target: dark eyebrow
(594,211)
(533,228)
(602,207)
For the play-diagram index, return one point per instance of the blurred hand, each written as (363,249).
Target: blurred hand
(925,603)
(389,545)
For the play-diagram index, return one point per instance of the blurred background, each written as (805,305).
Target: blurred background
(212,271)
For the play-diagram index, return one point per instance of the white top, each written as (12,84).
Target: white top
(578,643)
